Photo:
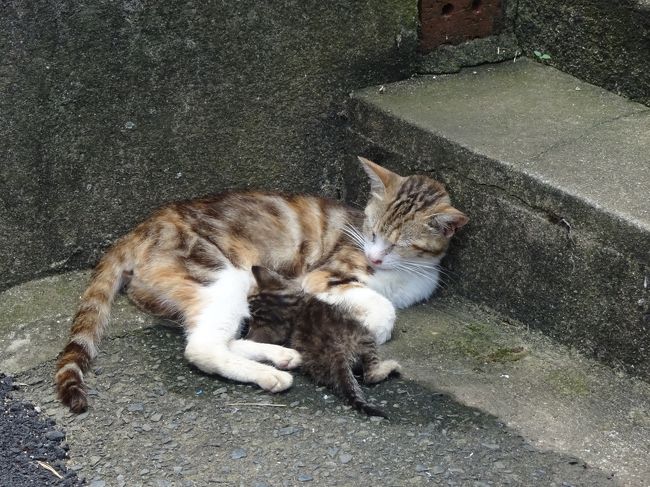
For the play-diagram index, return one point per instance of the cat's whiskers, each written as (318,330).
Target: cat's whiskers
(415,265)
(354,235)
(436,267)
(421,264)
(414,271)
(444,278)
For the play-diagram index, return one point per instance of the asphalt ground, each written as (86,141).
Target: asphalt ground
(482,401)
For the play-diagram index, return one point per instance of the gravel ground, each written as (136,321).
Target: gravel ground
(27,438)
(155,421)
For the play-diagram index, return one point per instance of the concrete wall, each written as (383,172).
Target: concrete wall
(110,108)
(604,42)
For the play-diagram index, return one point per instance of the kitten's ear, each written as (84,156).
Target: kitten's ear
(380,177)
(266,278)
(448,221)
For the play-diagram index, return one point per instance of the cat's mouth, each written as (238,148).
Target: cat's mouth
(378,264)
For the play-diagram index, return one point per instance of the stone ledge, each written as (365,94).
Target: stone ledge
(559,235)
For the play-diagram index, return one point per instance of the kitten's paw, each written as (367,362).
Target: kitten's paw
(382,371)
(274,380)
(288,359)
(380,318)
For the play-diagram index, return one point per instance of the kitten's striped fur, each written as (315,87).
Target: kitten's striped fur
(331,341)
(191,260)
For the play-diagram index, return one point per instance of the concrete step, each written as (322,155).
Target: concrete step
(555,176)
(482,401)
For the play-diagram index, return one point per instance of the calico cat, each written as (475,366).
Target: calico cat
(331,342)
(191,260)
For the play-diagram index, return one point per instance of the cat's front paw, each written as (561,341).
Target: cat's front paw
(274,380)
(379,318)
(287,359)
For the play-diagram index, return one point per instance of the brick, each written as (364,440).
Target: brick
(456,21)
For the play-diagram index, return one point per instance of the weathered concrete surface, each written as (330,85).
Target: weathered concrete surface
(602,42)
(108,109)
(482,402)
(450,59)
(35,319)
(554,175)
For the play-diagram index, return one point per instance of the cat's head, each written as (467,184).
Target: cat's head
(406,219)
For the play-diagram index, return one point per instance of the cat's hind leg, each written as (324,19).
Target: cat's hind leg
(281,357)
(381,371)
(375,370)
(215,322)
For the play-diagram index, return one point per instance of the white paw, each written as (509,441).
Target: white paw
(380,318)
(274,380)
(287,359)
(382,371)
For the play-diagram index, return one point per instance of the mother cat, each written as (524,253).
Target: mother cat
(191,261)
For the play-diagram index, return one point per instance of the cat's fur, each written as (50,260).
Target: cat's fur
(330,340)
(191,261)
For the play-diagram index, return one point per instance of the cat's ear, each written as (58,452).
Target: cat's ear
(266,278)
(380,177)
(448,221)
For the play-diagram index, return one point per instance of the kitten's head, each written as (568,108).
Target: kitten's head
(270,282)
(407,218)
(272,306)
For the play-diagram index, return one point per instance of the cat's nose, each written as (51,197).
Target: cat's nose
(375,261)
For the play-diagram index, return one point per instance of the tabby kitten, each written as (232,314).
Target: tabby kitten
(191,261)
(332,342)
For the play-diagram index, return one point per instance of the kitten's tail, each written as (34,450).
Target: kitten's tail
(351,390)
(89,323)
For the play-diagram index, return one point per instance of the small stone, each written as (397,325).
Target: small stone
(437,470)
(289,430)
(54,435)
(491,446)
(345,458)
(178,470)
(499,465)
(156,417)
(305,477)
(421,468)
(332,451)
(146,427)
(135,406)
(94,460)
(294,404)
(238,453)
(144,471)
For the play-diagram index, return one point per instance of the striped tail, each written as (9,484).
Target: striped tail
(88,326)
(349,388)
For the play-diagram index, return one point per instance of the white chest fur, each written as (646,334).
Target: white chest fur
(404,288)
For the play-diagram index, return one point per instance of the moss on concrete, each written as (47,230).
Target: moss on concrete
(568,382)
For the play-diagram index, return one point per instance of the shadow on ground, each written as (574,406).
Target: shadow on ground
(154,420)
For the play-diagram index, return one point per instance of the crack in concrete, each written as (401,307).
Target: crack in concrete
(588,131)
